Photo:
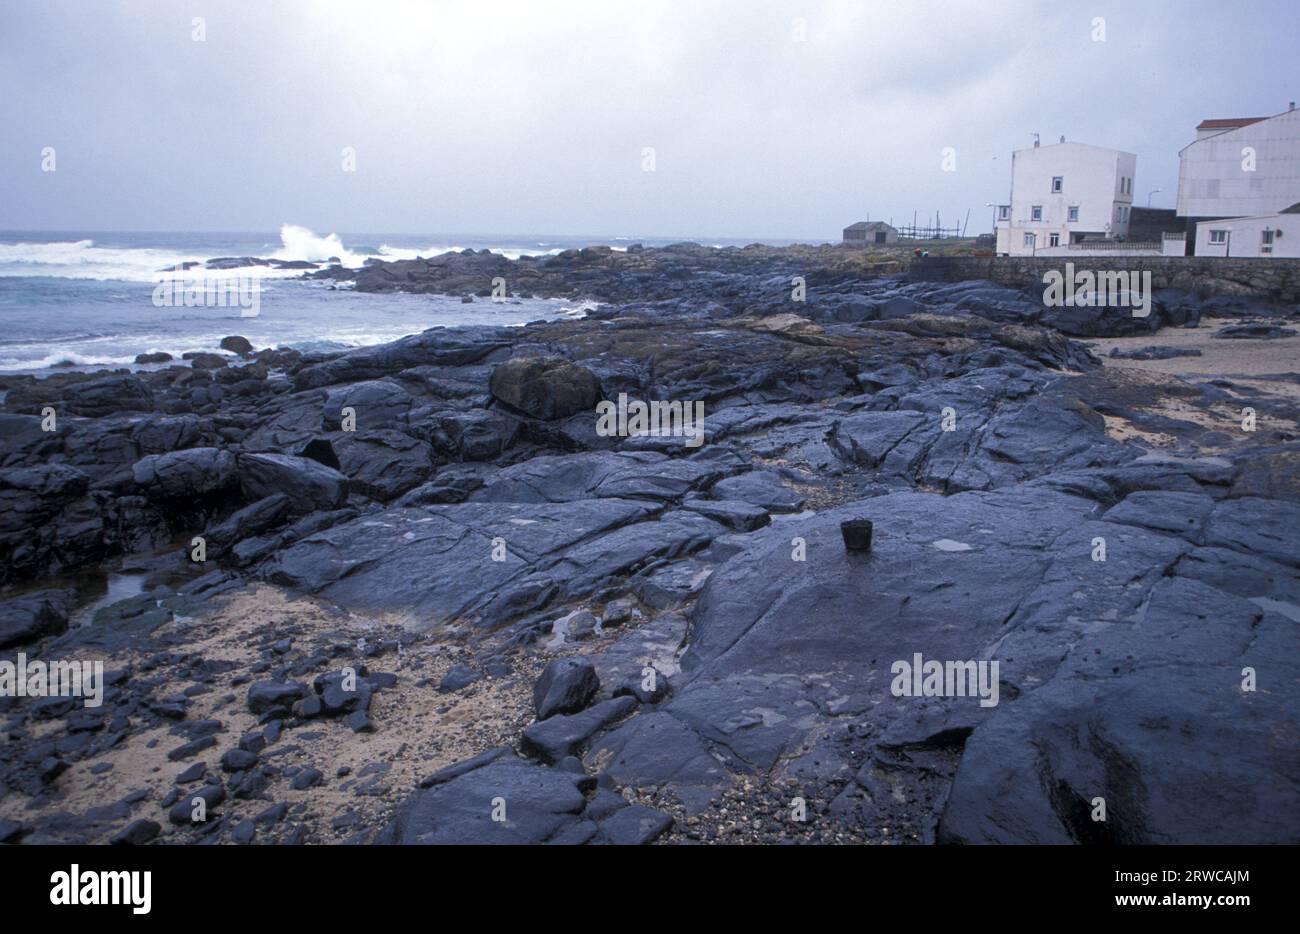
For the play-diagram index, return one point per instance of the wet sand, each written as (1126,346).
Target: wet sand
(1241,360)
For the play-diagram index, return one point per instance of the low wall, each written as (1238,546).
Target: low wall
(1276,280)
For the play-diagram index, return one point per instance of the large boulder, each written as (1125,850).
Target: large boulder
(382,464)
(253,519)
(108,395)
(545,387)
(310,485)
(47,520)
(476,435)
(567,685)
(377,404)
(33,616)
(180,474)
(237,345)
(1078,319)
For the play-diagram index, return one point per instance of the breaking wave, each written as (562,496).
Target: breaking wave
(86,259)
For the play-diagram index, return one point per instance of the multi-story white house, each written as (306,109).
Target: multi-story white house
(1238,184)
(1240,167)
(1062,194)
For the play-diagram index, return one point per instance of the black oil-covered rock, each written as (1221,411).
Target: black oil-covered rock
(1121,548)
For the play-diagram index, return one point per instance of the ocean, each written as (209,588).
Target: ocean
(86,300)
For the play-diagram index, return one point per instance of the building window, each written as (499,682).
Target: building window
(1057,182)
(1054,240)
(1036,212)
(1029,239)
(1074,212)
(1004,212)
(1218,236)
(1266,237)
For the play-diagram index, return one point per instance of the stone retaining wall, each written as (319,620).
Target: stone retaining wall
(1273,279)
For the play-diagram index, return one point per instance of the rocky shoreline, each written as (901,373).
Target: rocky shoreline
(436,604)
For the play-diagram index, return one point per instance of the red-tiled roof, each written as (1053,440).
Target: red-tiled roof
(1228,123)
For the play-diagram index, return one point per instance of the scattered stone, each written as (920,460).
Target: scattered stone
(184,808)
(272,815)
(205,361)
(192,748)
(359,722)
(635,825)
(194,773)
(274,698)
(238,760)
(307,778)
(11,830)
(1154,353)
(253,742)
(137,833)
(617,612)
(1254,332)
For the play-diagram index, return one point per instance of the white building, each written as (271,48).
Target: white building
(1061,194)
(1263,235)
(1240,167)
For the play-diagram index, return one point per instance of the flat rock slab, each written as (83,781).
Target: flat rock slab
(762,488)
(635,825)
(536,803)
(557,737)
(1151,718)
(654,644)
(436,562)
(781,651)
(611,474)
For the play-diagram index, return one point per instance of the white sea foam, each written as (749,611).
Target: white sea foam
(81,259)
(62,358)
(84,259)
(301,243)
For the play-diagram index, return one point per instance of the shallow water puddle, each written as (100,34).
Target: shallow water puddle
(119,586)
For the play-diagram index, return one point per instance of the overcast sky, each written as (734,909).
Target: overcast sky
(533,117)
